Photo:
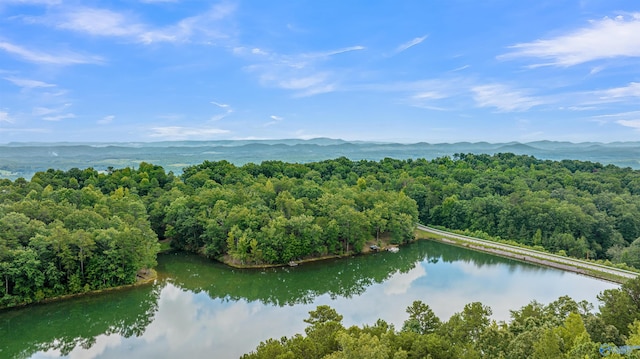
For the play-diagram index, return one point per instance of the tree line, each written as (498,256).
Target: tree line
(77,230)
(561,329)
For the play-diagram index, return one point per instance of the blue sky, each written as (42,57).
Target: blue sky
(404,71)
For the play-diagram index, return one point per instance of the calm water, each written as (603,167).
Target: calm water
(201,309)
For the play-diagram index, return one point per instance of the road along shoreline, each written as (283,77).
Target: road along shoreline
(531,256)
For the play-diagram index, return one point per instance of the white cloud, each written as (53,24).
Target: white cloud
(205,26)
(227,111)
(429,95)
(59,117)
(602,39)
(274,120)
(298,83)
(627,119)
(303,82)
(182,133)
(301,73)
(314,84)
(503,98)
(219,117)
(579,108)
(68,58)
(411,43)
(257,51)
(106,120)
(109,23)
(426,100)
(460,68)
(221,105)
(317,90)
(4,117)
(333,52)
(100,22)
(632,90)
(36,2)
(43,111)
(635,124)
(27,83)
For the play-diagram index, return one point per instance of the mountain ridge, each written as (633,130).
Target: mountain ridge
(23,159)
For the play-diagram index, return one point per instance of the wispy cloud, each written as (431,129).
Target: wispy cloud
(35,2)
(427,100)
(69,58)
(431,94)
(44,111)
(109,23)
(618,93)
(183,133)
(227,111)
(59,117)
(304,82)
(460,68)
(99,22)
(27,83)
(627,119)
(330,53)
(635,124)
(205,27)
(305,74)
(504,98)
(411,43)
(602,39)
(274,120)
(157,1)
(4,117)
(106,120)
(301,83)
(221,105)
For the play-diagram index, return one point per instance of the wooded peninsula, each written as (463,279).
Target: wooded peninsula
(75,231)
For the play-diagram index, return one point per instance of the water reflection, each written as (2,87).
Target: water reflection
(202,309)
(78,323)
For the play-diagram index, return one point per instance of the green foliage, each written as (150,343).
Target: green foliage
(422,319)
(621,307)
(83,240)
(555,333)
(91,229)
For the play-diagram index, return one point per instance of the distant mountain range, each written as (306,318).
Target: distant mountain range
(24,159)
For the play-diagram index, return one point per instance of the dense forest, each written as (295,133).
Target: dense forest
(561,329)
(78,230)
(65,241)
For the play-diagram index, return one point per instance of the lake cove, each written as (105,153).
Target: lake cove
(198,308)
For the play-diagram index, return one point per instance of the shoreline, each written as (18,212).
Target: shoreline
(424,235)
(532,259)
(151,276)
(301,261)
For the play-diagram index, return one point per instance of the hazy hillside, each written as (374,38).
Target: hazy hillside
(24,159)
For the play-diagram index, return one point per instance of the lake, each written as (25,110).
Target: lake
(199,308)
